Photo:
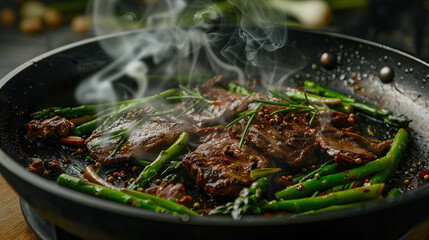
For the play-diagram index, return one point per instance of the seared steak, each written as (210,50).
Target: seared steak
(285,137)
(170,191)
(219,166)
(146,140)
(290,137)
(350,144)
(52,128)
(226,104)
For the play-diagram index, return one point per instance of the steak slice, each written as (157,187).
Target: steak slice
(226,104)
(145,141)
(353,145)
(49,128)
(283,137)
(288,136)
(219,166)
(170,191)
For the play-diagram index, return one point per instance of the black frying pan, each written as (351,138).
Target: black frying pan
(50,80)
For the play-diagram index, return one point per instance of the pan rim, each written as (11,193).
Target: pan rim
(103,205)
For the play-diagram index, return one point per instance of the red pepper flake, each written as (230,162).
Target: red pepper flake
(185,200)
(365,190)
(180,131)
(125,183)
(54,161)
(178,144)
(345,171)
(422,173)
(289,143)
(115,174)
(300,187)
(215,103)
(74,153)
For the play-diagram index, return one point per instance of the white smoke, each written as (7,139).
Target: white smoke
(179,41)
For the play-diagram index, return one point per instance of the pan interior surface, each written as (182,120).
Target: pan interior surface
(51,80)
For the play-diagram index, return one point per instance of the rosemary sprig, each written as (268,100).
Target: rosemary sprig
(294,107)
(251,113)
(194,97)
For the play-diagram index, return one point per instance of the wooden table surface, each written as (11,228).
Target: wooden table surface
(12,223)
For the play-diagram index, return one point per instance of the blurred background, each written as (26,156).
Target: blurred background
(30,28)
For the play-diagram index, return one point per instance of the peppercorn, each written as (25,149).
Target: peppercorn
(134,169)
(132,180)
(158,181)
(406,181)
(46,173)
(122,175)
(426,177)
(358,161)
(317,176)
(196,205)
(80,150)
(97,164)
(140,189)
(111,179)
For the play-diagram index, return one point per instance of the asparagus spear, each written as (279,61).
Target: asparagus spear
(121,107)
(232,87)
(385,115)
(344,206)
(326,92)
(388,162)
(336,198)
(246,203)
(396,150)
(325,169)
(173,207)
(308,187)
(298,95)
(107,193)
(84,110)
(165,156)
(392,193)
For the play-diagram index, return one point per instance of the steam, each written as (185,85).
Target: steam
(180,40)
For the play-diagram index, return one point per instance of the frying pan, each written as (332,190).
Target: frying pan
(50,80)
